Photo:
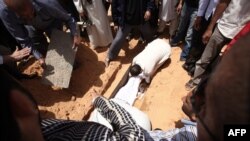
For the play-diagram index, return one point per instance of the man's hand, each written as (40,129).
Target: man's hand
(147,15)
(206,36)
(20,54)
(76,41)
(179,8)
(197,23)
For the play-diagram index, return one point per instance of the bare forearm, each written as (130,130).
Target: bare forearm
(221,7)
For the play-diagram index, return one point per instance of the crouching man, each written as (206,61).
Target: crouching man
(150,59)
(27,21)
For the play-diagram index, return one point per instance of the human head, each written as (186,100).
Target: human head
(227,93)
(23,8)
(135,70)
(19,112)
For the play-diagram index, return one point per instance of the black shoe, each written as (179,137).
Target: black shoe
(174,43)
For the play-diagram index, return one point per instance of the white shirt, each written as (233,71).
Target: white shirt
(207,8)
(234,18)
(154,54)
(128,93)
(1,59)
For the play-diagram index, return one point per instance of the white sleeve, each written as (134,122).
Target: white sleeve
(78,5)
(203,4)
(1,59)
(146,77)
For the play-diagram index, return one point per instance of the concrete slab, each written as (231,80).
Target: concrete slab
(60,59)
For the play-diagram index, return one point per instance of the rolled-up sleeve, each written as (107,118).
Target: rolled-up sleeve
(18,31)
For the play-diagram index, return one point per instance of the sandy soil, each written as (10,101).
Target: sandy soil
(162,100)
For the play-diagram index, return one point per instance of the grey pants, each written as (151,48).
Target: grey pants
(146,30)
(212,50)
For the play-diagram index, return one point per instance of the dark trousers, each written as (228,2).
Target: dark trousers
(120,38)
(197,46)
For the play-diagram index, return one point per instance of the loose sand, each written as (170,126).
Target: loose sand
(162,100)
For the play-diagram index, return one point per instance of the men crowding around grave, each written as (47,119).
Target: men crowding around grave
(212,103)
(206,26)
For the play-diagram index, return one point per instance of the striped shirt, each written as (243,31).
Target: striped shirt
(124,128)
(187,133)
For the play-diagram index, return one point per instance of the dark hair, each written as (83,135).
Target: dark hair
(9,128)
(135,70)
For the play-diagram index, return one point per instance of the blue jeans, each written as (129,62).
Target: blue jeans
(120,38)
(188,15)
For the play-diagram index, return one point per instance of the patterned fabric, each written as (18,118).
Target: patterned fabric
(187,133)
(123,124)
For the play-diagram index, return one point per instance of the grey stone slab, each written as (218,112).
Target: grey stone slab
(60,59)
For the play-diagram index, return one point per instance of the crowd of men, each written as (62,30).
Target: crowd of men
(215,35)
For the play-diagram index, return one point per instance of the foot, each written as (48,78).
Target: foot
(174,43)
(190,85)
(107,61)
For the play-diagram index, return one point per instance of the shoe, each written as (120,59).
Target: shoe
(190,85)
(174,43)
(107,61)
